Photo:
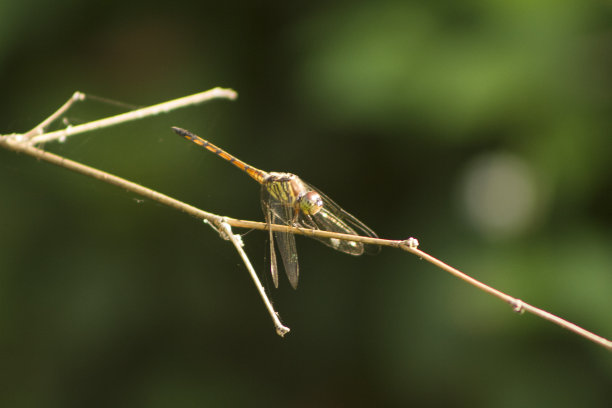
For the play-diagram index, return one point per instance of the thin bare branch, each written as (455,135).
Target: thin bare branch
(215,93)
(407,245)
(22,144)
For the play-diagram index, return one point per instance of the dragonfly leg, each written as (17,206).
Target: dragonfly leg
(296,213)
(309,222)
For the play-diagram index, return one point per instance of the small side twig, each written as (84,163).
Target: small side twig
(39,129)
(226,230)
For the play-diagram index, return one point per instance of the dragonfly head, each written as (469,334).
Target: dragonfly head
(310,203)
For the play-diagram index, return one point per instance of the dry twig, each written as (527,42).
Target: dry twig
(25,143)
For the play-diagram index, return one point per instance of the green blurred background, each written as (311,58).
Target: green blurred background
(481,128)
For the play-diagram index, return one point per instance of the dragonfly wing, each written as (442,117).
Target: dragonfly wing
(273,264)
(334,219)
(279,213)
(286,246)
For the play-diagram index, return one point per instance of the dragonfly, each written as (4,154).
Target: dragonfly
(288,200)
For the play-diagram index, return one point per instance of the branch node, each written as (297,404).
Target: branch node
(411,243)
(225,231)
(517,306)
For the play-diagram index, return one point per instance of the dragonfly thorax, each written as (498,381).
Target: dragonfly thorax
(289,188)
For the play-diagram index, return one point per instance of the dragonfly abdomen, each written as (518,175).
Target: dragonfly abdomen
(256,174)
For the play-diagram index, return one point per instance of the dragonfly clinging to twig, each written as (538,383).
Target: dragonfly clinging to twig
(288,200)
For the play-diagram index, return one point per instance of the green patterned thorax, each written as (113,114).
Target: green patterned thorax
(286,188)
(291,192)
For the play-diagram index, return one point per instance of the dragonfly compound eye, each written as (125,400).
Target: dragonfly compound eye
(311,203)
